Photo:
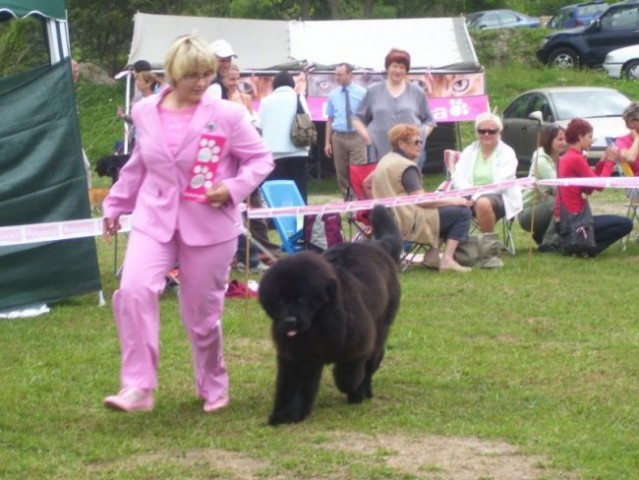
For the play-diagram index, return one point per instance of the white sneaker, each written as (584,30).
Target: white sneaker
(259,268)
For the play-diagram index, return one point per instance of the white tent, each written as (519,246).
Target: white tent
(434,43)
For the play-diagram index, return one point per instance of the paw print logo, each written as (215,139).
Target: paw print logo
(458,108)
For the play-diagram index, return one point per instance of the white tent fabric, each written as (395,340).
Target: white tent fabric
(267,44)
(259,44)
(431,42)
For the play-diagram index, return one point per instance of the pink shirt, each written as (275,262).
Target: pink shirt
(624,143)
(175,123)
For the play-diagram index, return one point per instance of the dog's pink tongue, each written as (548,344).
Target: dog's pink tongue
(291,333)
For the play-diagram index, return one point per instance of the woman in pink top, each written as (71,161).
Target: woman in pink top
(573,164)
(195,159)
(628,145)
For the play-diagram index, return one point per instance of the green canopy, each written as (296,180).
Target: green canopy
(43,180)
(22,8)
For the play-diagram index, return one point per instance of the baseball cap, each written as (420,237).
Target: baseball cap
(141,66)
(222,48)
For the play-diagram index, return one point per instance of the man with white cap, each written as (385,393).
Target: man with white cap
(224,54)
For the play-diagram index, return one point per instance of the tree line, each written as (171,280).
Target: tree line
(101,30)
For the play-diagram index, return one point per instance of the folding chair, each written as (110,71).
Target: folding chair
(451,157)
(360,220)
(633,201)
(284,193)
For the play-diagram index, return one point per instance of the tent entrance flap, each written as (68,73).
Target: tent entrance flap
(43,180)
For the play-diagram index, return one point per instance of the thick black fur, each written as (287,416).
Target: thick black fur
(336,307)
(110,166)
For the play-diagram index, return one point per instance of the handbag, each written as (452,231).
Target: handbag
(322,231)
(482,250)
(576,230)
(303,133)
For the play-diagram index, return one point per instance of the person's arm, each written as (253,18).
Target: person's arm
(463,169)
(367,185)
(328,148)
(360,128)
(412,183)
(428,123)
(545,170)
(363,117)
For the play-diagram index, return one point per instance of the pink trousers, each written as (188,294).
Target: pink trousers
(203,274)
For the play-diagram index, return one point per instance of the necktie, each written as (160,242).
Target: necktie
(349,114)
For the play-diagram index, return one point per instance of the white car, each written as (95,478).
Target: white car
(602,107)
(623,63)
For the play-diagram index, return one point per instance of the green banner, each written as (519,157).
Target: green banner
(42,179)
(21,8)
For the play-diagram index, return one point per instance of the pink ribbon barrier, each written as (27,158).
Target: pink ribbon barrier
(54,231)
(354,206)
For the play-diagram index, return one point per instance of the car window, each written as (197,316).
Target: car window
(621,19)
(559,20)
(520,108)
(594,9)
(588,103)
(490,19)
(508,18)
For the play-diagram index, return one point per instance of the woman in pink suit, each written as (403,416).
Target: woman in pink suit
(185,211)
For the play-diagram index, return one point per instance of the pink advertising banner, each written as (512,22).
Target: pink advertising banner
(452,97)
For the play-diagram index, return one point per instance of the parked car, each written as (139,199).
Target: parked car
(617,27)
(623,62)
(602,107)
(577,15)
(500,19)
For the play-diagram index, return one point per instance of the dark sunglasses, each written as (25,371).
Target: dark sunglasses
(487,131)
(415,142)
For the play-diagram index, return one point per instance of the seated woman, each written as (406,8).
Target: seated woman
(448,219)
(485,161)
(628,145)
(572,164)
(539,201)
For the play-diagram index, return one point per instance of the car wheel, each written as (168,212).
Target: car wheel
(631,70)
(563,58)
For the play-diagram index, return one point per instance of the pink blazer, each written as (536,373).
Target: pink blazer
(152,182)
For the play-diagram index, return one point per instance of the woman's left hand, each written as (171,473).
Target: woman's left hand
(611,154)
(218,195)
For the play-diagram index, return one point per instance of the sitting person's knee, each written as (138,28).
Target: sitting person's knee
(483,206)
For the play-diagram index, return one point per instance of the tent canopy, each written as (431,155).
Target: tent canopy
(271,44)
(23,8)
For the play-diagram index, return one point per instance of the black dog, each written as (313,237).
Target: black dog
(336,307)
(110,166)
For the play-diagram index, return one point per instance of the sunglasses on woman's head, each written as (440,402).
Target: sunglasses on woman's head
(487,131)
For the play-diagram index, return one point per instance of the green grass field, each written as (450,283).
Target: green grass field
(533,364)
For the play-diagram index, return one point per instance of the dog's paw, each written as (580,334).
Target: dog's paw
(283,418)
(357,396)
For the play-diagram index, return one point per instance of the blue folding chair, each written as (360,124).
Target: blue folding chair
(284,193)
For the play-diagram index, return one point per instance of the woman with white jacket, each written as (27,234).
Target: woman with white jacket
(486,161)
(277,112)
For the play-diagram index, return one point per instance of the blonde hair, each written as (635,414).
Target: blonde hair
(402,132)
(188,54)
(148,77)
(489,117)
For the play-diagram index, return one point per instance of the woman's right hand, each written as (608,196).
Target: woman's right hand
(110,226)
